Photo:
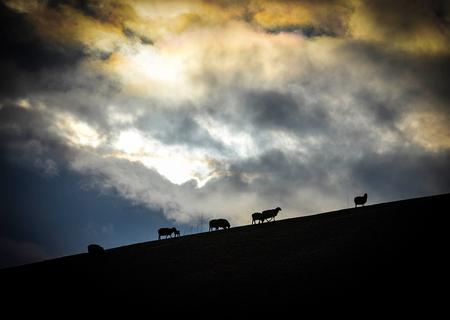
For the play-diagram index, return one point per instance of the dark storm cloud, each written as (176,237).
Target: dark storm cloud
(277,173)
(20,123)
(434,75)
(129,33)
(276,110)
(83,94)
(380,106)
(26,137)
(411,77)
(418,27)
(307,31)
(89,8)
(177,126)
(104,11)
(23,46)
(406,17)
(290,171)
(384,110)
(184,130)
(24,53)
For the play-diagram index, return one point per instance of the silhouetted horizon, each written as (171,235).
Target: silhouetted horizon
(153,238)
(118,118)
(345,258)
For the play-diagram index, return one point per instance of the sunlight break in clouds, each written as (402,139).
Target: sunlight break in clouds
(176,164)
(76,132)
(148,70)
(223,108)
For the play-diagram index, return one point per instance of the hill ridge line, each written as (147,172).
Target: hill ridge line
(315,217)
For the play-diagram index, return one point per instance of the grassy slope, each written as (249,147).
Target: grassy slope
(377,252)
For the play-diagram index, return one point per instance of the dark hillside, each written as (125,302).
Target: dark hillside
(378,253)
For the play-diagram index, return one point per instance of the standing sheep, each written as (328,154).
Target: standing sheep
(360,200)
(268,215)
(256,217)
(219,223)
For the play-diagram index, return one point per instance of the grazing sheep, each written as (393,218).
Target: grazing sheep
(166,232)
(257,216)
(219,223)
(269,215)
(177,233)
(95,250)
(360,200)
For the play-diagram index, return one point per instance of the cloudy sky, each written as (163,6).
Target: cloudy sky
(119,117)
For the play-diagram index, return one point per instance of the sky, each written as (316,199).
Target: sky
(120,117)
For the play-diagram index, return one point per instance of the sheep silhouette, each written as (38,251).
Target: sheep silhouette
(268,215)
(219,223)
(360,200)
(97,255)
(95,250)
(256,217)
(167,232)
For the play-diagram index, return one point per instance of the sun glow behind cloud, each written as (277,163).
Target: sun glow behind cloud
(238,91)
(148,65)
(175,163)
(77,133)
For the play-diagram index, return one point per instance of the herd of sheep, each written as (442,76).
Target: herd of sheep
(257,217)
(97,251)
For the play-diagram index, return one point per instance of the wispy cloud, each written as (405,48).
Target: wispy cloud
(220,108)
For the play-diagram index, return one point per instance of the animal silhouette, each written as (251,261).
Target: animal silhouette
(268,215)
(166,232)
(95,250)
(257,217)
(360,200)
(219,223)
(177,233)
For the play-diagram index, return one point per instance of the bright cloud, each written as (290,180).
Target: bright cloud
(175,163)
(77,132)
(221,108)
